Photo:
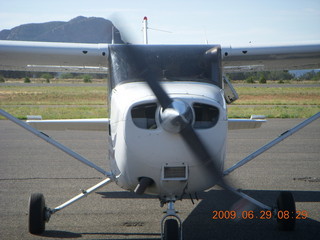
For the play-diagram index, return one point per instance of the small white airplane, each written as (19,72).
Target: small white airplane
(168,123)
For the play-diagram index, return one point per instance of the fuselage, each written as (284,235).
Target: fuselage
(142,148)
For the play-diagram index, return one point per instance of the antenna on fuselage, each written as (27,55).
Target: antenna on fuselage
(145,30)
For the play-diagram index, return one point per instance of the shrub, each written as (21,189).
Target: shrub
(67,76)
(262,80)
(87,78)
(250,80)
(27,80)
(2,79)
(47,77)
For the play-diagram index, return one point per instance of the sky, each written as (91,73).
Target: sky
(225,22)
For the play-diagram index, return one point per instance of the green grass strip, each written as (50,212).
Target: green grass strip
(57,112)
(273,111)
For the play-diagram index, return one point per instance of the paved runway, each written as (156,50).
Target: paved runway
(30,165)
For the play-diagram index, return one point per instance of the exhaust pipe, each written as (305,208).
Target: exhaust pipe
(143,184)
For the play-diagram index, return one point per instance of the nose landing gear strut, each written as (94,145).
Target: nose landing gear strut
(171,224)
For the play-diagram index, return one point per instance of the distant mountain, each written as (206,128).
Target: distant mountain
(78,30)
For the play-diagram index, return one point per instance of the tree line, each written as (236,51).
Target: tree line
(48,76)
(263,76)
(249,77)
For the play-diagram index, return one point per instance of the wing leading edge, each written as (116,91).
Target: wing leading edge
(271,58)
(68,57)
(53,56)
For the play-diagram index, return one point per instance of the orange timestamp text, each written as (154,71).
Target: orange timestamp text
(263,214)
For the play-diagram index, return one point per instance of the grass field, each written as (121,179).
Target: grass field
(75,95)
(276,102)
(57,102)
(54,102)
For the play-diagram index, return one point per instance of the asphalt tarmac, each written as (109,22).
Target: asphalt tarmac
(30,165)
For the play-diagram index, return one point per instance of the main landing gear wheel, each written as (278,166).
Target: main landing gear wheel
(171,230)
(286,214)
(37,211)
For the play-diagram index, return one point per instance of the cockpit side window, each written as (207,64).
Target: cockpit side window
(206,116)
(143,116)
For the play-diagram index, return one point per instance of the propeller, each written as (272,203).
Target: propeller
(176,116)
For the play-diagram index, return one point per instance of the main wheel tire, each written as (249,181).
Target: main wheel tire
(171,230)
(286,215)
(37,210)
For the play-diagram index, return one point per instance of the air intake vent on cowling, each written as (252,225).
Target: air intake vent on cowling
(175,173)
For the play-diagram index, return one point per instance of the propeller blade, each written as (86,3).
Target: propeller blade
(123,26)
(149,77)
(198,148)
(157,89)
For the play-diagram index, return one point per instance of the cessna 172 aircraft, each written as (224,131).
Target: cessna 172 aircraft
(169,100)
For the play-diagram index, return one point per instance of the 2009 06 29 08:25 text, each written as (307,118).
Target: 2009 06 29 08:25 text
(262,214)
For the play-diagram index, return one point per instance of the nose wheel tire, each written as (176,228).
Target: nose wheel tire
(171,230)
(37,211)
(286,214)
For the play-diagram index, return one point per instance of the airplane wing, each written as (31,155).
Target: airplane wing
(271,58)
(99,124)
(68,57)
(53,56)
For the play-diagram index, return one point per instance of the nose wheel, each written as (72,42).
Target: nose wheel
(171,230)
(171,225)
(286,212)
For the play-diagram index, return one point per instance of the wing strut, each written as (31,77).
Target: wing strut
(277,140)
(54,143)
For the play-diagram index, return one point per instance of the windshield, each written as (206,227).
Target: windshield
(167,62)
